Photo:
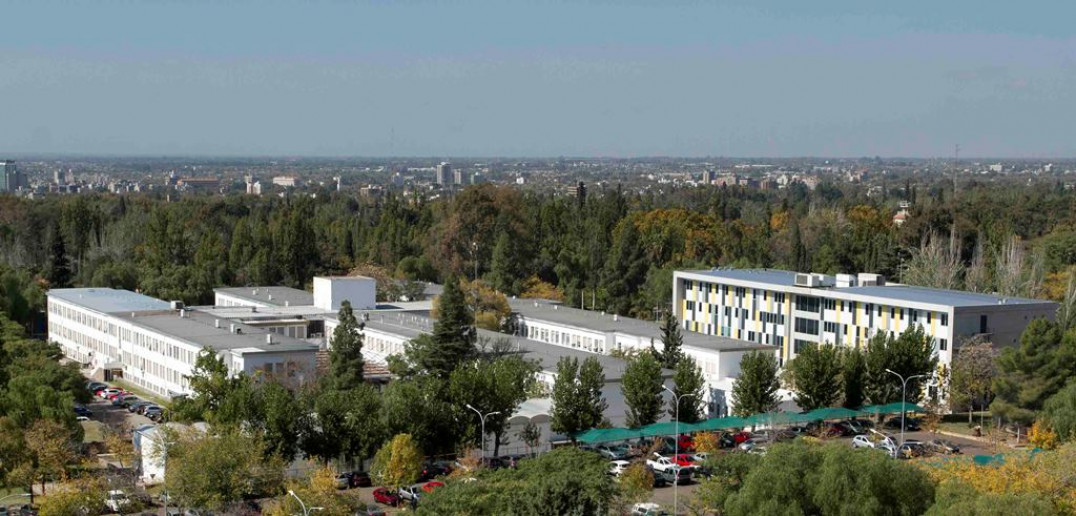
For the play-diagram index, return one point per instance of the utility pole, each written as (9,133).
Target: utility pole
(903,400)
(482,418)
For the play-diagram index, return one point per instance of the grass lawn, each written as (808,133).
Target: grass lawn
(958,423)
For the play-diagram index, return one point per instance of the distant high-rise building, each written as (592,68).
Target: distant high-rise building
(443,171)
(707,177)
(10,177)
(457,176)
(254,187)
(579,191)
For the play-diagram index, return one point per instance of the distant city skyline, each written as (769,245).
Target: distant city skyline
(508,78)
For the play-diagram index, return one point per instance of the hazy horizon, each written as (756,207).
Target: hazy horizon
(508,79)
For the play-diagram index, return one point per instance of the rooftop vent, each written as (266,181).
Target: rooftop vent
(616,317)
(871,280)
(176,305)
(268,338)
(270,297)
(231,328)
(216,323)
(287,303)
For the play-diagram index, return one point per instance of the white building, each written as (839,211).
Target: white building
(154,344)
(788,310)
(593,332)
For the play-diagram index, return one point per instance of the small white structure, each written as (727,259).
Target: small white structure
(151,441)
(331,291)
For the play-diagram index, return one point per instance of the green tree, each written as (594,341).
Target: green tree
(343,423)
(211,385)
(453,334)
(642,389)
(345,356)
(498,385)
(814,375)
(578,403)
(688,380)
(1059,411)
(1029,374)
(957,499)
(214,470)
(909,354)
(439,428)
(564,482)
(625,268)
(755,389)
(672,342)
(853,377)
(504,274)
(398,462)
(59,268)
(803,478)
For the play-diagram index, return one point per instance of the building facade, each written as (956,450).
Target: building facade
(10,177)
(789,310)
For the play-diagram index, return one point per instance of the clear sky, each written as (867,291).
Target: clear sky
(539,78)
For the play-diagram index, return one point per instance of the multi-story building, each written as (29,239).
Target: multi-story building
(444,171)
(789,310)
(155,344)
(10,177)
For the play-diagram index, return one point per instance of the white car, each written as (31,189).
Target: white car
(117,501)
(862,441)
(662,463)
(700,457)
(616,467)
(108,392)
(647,509)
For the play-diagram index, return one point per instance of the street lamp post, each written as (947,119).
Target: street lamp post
(676,446)
(482,418)
(306,512)
(903,399)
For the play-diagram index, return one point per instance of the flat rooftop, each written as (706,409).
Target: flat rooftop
(785,280)
(200,329)
(544,310)
(107,300)
(410,326)
(272,296)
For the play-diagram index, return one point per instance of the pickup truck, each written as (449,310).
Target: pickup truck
(662,463)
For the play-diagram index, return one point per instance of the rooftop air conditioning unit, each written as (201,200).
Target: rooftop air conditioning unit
(846,280)
(805,280)
(871,280)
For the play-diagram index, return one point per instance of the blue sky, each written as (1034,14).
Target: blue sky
(542,78)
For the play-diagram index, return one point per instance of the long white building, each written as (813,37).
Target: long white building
(154,344)
(788,309)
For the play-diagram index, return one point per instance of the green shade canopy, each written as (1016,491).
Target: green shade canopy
(664,428)
(602,435)
(717,423)
(831,413)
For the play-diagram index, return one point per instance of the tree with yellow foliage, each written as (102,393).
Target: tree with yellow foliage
(318,490)
(398,462)
(1042,435)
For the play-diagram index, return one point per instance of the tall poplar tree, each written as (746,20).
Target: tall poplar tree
(642,390)
(454,334)
(755,389)
(345,356)
(689,381)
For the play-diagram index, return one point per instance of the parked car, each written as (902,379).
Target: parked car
(82,411)
(943,447)
(384,496)
(677,475)
(700,457)
(685,460)
(360,479)
(647,509)
(117,395)
(4,511)
(96,386)
(117,500)
(614,452)
(410,493)
(141,409)
(850,428)
(616,467)
(430,486)
(23,510)
(910,450)
(911,424)
(661,463)
(154,413)
(433,470)
(105,393)
(343,481)
(862,441)
(126,401)
(137,406)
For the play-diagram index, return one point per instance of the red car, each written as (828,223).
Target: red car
(385,496)
(430,486)
(741,437)
(685,460)
(114,395)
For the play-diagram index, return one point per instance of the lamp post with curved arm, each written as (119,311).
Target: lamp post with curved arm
(482,417)
(903,399)
(676,446)
(306,512)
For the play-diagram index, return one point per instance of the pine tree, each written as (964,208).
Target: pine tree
(756,388)
(642,388)
(345,357)
(689,381)
(672,342)
(502,273)
(453,334)
(800,261)
(59,269)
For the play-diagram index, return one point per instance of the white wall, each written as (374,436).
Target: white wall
(330,292)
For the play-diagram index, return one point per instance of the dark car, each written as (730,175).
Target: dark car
(943,447)
(142,407)
(96,386)
(358,479)
(154,413)
(134,407)
(83,411)
(911,424)
(384,496)
(432,471)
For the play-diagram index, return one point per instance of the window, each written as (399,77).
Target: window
(915,316)
(830,327)
(929,317)
(779,297)
(945,319)
(902,314)
(807,304)
(740,291)
(807,326)
(779,340)
(829,304)
(798,345)
(943,344)
(982,324)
